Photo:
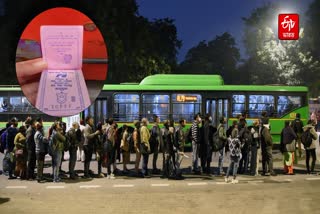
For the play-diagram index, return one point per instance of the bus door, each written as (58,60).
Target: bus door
(217,108)
(98,110)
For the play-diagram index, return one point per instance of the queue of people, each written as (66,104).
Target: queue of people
(25,147)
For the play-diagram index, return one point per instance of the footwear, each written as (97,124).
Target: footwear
(101,175)
(156,171)
(234,181)
(226,179)
(111,176)
(12,177)
(273,174)
(267,174)
(87,177)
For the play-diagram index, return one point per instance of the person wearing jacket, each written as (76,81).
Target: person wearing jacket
(88,144)
(74,137)
(145,137)
(255,149)
(156,141)
(58,140)
(125,147)
(195,136)
(136,142)
(206,145)
(287,147)
(20,153)
(180,142)
(31,150)
(266,150)
(223,137)
(40,142)
(235,155)
(311,150)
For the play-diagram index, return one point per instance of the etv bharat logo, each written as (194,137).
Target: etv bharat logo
(288,26)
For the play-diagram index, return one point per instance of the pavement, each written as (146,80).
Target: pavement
(297,193)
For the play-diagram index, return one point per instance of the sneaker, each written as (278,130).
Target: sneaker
(101,175)
(234,181)
(112,176)
(226,179)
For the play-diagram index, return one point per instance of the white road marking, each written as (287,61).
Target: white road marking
(312,179)
(197,184)
(254,182)
(123,185)
(222,183)
(55,187)
(16,187)
(89,186)
(160,185)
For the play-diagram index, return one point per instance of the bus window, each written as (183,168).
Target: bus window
(238,104)
(155,104)
(260,103)
(4,104)
(126,107)
(287,104)
(185,106)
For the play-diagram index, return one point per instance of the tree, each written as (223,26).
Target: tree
(218,56)
(272,61)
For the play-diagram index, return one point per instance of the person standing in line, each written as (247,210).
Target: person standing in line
(99,149)
(156,141)
(124,146)
(31,147)
(80,152)
(20,153)
(58,140)
(223,137)
(145,146)
(235,155)
(287,147)
(74,136)
(195,137)
(311,150)
(11,134)
(179,146)
(206,145)
(137,142)
(89,138)
(40,142)
(266,150)
(255,149)
(110,147)
(297,126)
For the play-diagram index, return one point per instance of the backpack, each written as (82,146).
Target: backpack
(297,126)
(52,143)
(3,137)
(218,144)
(189,135)
(306,138)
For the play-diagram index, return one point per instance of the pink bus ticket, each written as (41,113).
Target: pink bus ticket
(62,89)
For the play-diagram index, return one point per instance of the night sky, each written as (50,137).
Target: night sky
(204,19)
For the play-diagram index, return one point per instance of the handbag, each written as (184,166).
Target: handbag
(18,152)
(290,147)
(143,149)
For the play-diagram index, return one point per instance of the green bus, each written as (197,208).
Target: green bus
(177,96)
(182,96)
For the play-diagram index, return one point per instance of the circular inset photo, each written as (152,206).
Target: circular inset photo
(61,62)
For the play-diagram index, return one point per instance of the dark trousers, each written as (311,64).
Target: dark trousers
(31,164)
(145,159)
(267,163)
(72,160)
(40,165)
(88,149)
(155,156)
(206,157)
(253,160)
(311,152)
(244,162)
